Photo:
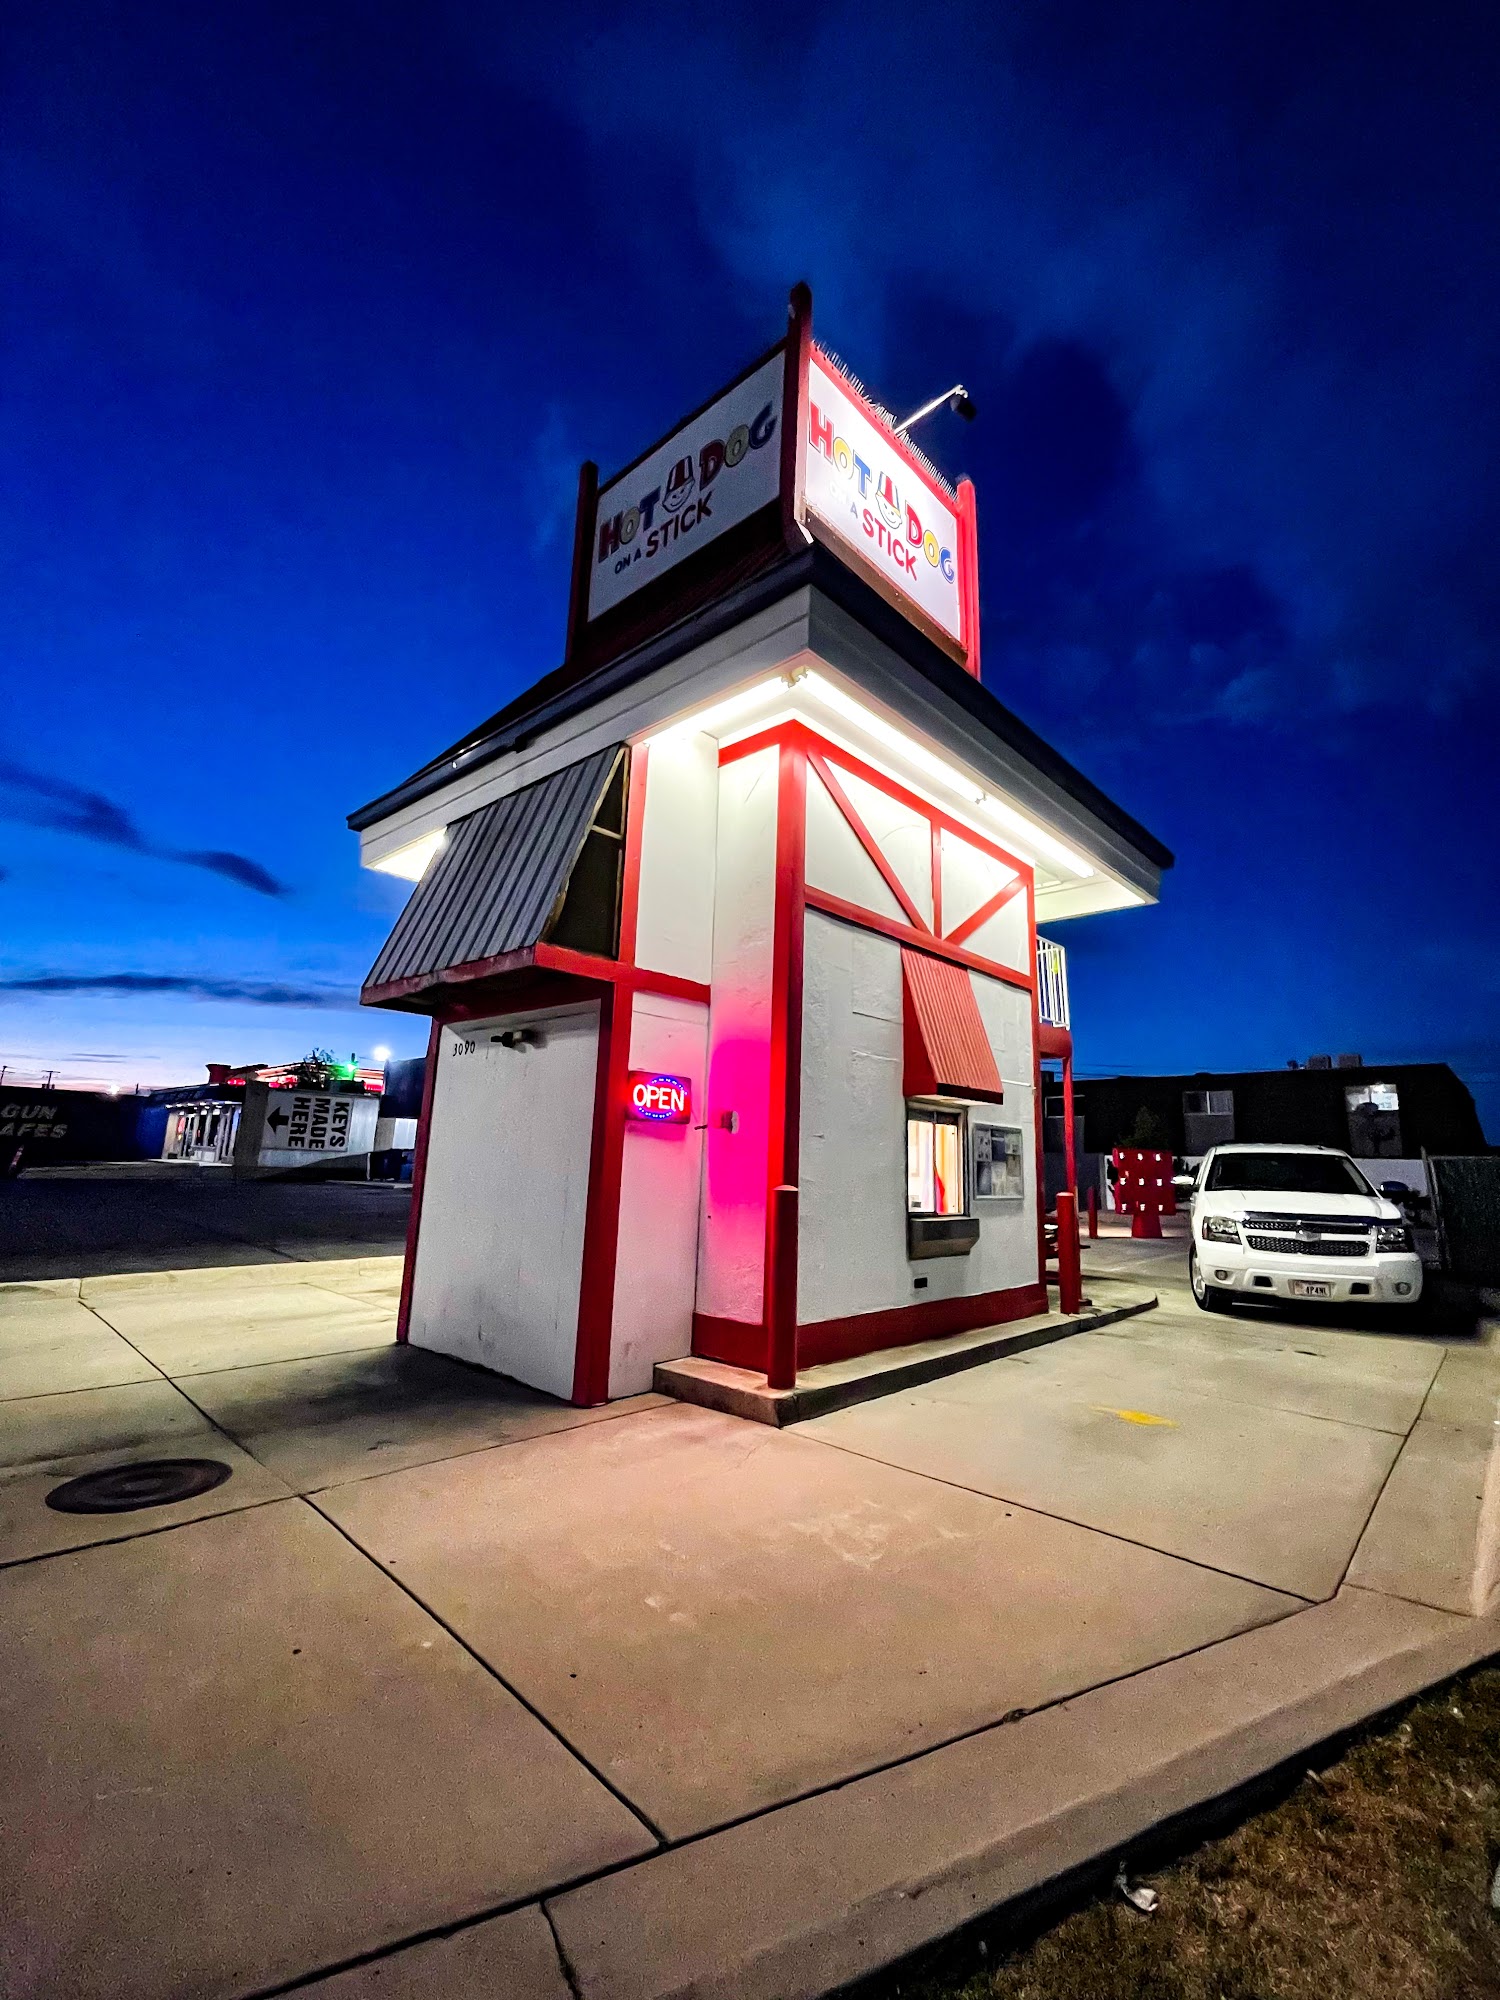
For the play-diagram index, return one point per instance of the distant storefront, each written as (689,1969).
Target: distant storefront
(1392,1111)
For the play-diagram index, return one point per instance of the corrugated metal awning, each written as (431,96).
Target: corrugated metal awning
(495,883)
(947,1052)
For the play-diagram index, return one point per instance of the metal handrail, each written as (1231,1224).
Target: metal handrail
(1052,983)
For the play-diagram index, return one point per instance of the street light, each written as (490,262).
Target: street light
(958,400)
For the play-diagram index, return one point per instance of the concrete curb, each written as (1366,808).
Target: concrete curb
(855,1879)
(739,1392)
(19,1290)
(328,1271)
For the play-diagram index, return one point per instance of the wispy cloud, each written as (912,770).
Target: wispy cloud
(259,993)
(33,798)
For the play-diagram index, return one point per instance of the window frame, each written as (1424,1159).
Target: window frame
(924,1111)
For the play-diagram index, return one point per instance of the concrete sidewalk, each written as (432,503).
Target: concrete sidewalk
(451,1689)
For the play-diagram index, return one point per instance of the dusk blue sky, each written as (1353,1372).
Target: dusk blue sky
(311,313)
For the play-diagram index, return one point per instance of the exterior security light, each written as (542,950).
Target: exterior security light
(957,398)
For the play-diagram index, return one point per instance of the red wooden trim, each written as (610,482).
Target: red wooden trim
(601,1227)
(854,913)
(583,547)
(866,839)
(937,877)
(418,1182)
(741,1343)
(1036,1096)
(779,1297)
(635,978)
(747,746)
(968,529)
(982,915)
(931,1319)
(794,729)
(524,996)
(596,1291)
(1054,1042)
(446,988)
(630,884)
(793,403)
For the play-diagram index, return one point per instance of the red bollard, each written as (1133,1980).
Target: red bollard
(1093,1214)
(1145,1223)
(1069,1264)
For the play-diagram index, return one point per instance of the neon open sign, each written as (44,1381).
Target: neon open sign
(661,1100)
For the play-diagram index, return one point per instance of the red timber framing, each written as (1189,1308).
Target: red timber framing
(776,1343)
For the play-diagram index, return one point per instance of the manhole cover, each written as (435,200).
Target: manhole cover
(154,1482)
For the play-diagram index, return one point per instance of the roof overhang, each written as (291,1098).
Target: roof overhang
(809,639)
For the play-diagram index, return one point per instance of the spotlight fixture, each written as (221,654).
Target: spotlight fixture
(958,400)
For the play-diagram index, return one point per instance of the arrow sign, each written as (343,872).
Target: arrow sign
(278,1117)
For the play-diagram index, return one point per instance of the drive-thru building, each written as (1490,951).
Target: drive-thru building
(728,928)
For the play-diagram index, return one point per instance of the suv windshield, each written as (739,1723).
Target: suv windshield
(1286,1173)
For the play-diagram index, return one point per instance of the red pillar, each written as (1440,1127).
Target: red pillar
(779,1282)
(1070,1148)
(1069,1262)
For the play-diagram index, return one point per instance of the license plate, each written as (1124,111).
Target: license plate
(1311,1288)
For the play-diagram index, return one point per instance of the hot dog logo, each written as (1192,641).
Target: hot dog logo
(674,507)
(897,531)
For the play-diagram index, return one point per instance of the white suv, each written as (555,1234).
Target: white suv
(1296,1222)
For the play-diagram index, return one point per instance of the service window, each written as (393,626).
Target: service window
(999,1157)
(934,1162)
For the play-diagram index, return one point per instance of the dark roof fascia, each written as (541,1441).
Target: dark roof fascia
(535,710)
(888,625)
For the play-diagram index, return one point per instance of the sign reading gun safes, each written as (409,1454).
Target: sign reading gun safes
(709,475)
(310,1127)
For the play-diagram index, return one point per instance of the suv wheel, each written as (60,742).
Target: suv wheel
(1212,1298)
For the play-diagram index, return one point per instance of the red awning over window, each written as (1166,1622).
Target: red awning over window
(947,1052)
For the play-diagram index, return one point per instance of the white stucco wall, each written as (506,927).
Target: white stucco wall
(661,1178)
(903,836)
(731,1251)
(970,878)
(836,861)
(675,911)
(852,1243)
(500,1244)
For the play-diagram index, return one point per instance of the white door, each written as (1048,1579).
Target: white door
(500,1239)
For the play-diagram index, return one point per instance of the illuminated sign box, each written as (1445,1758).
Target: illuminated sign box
(658,1099)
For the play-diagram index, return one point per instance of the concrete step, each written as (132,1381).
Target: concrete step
(834,1385)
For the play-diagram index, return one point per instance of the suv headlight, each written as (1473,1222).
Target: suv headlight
(1220,1229)
(1392,1236)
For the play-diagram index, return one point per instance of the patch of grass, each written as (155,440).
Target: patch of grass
(1370,1880)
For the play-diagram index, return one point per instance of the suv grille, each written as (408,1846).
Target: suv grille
(1325,1246)
(1294,1235)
